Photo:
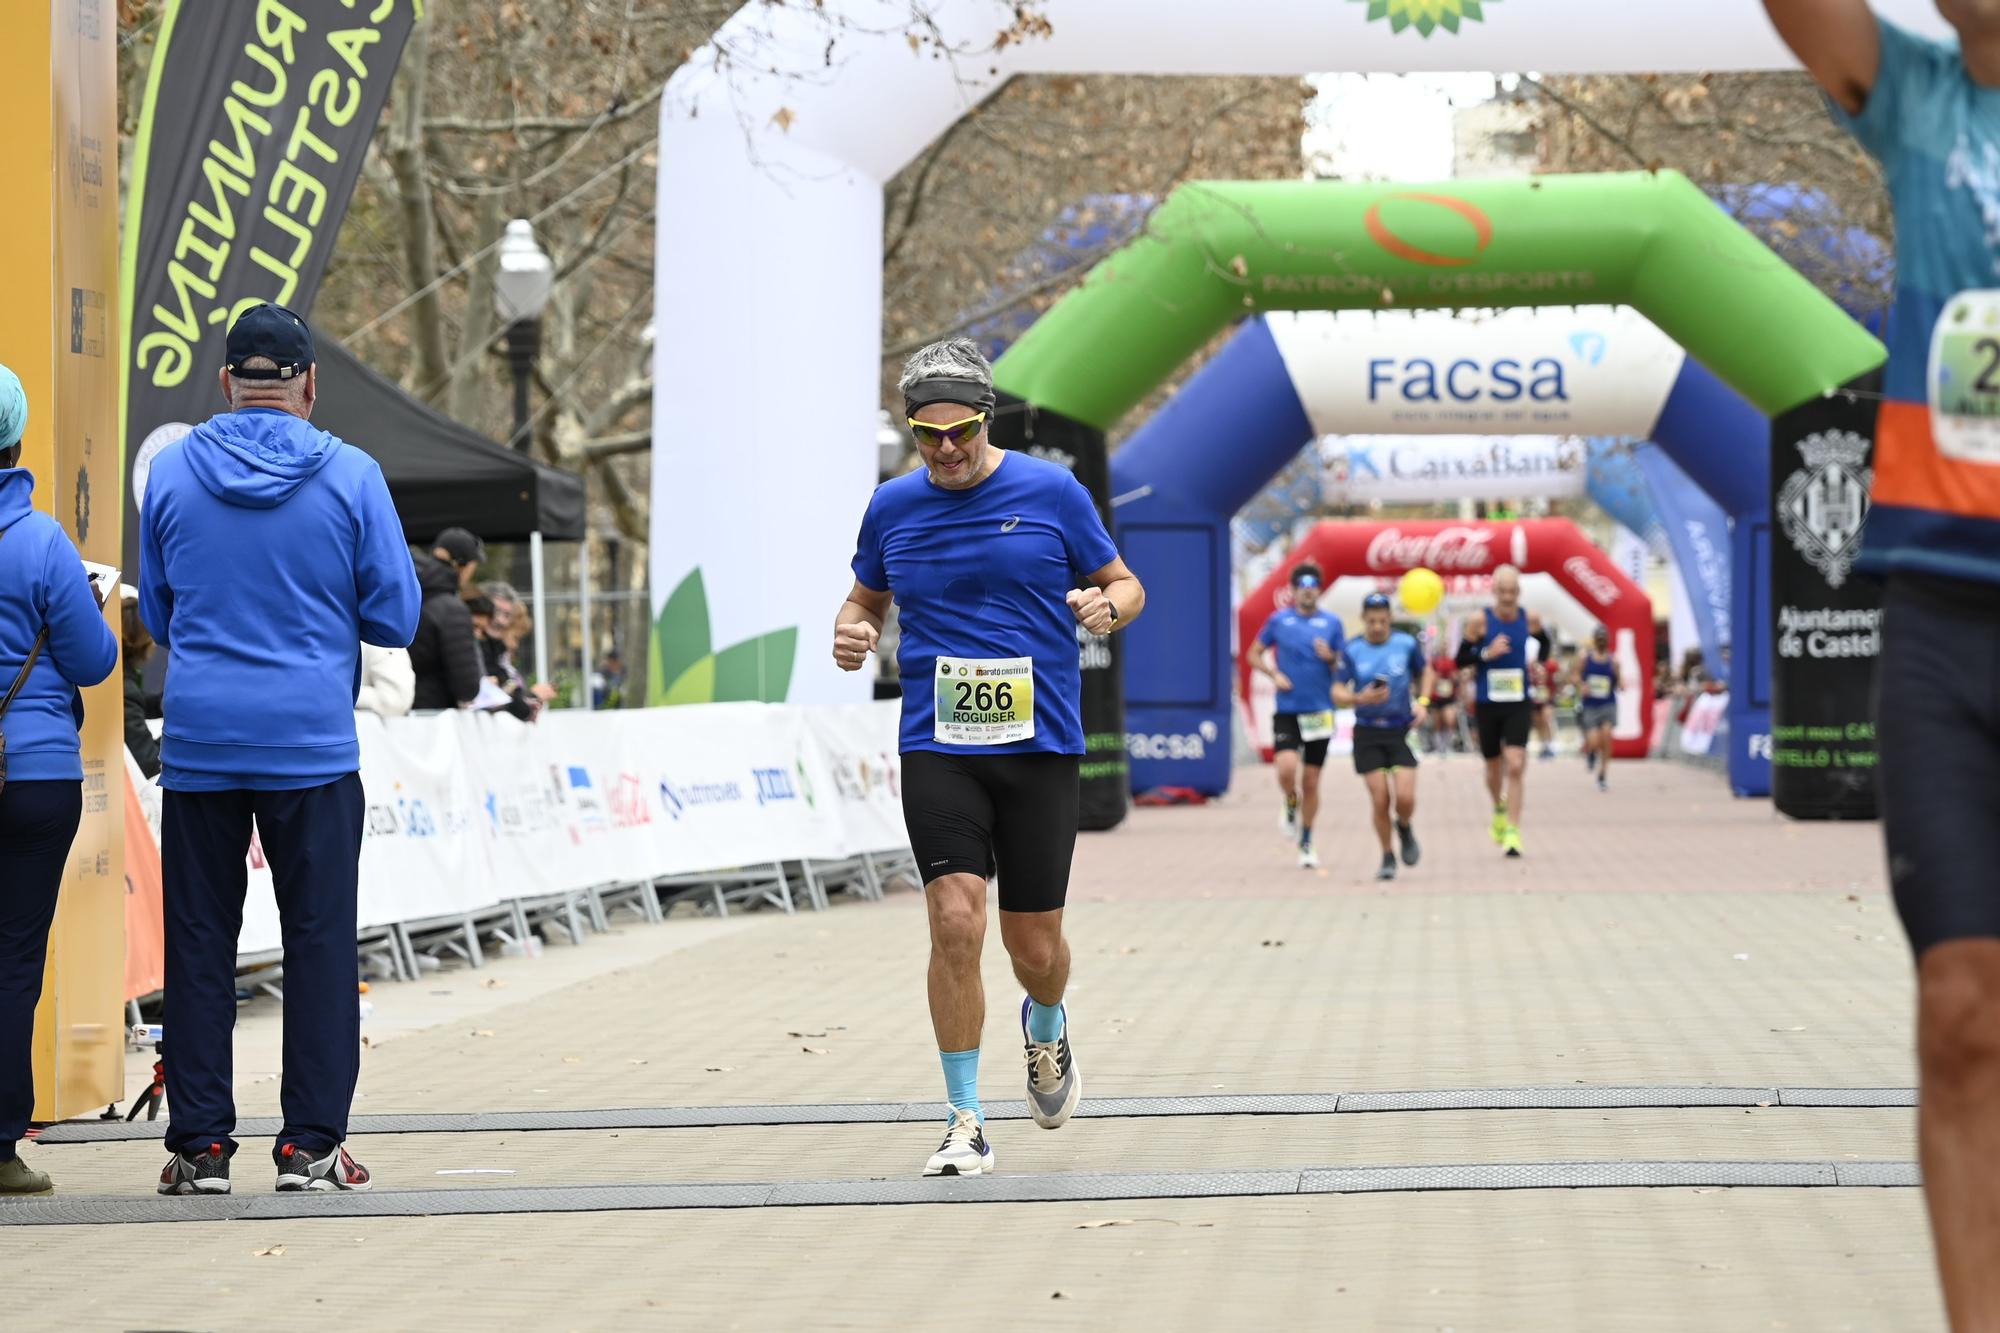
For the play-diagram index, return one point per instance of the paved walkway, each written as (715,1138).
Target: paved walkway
(1662,934)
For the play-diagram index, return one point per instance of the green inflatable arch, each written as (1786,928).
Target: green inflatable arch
(1216,251)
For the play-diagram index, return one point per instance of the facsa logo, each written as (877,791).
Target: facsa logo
(1419,379)
(1159,745)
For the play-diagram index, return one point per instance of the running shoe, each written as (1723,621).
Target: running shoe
(1602,785)
(205,1172)
(1512,842)
(1054,1086)
(1500,824)
(17,1178)
(965,1151)
(331,1170)
(1308,858)
(1590,761)
(1406,837)
(1387,870)
(1548,752)
(1288,821)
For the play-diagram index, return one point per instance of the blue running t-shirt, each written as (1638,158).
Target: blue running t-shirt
(1293,635)
(1600,680)
(1397,657)
(982,574)
(1936,493)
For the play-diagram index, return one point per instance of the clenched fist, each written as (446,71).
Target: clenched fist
(852,643)
(1093,610)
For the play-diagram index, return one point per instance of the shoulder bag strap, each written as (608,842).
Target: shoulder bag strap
(22,679)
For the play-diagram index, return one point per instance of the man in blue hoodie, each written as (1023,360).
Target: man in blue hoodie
(268,552)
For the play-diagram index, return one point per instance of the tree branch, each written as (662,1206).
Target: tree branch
(406,161)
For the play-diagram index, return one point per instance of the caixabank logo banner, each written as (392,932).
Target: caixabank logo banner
(1427,16)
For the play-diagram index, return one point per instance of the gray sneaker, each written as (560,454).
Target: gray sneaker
(1054,1086)
(18,1178)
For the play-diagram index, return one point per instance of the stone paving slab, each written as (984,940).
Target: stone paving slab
(1660,934)
(864,1151)
(1670,1259)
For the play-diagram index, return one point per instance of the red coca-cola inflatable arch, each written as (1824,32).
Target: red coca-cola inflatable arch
(1552,546)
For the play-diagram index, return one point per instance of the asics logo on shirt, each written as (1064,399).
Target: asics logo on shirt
(1011,524)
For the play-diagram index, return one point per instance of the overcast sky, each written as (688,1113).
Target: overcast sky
(1388,126)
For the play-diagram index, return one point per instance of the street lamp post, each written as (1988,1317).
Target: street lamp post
(520,293)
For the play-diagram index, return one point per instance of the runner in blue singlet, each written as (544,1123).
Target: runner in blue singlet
(1597,703)
(1496,649)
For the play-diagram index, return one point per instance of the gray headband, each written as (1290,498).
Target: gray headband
(926,392)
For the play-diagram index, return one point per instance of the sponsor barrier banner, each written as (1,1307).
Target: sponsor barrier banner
(1704,715)
(1826,623)
(254,125)
(467,810)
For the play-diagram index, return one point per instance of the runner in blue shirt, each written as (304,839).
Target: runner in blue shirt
(1307,643)
(1929,112)
(993,559)
(1386,679)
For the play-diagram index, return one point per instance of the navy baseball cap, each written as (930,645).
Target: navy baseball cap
(1375,601)
(273,332)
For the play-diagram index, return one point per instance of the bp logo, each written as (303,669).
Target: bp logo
(1427,16)
(1823,504)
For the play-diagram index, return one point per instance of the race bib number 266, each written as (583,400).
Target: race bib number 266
(985,700)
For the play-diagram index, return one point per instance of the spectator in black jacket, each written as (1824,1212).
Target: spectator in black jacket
(139,737)
(445,655)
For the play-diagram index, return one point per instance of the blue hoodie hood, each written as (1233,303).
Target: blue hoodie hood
(17,492)
(256,458)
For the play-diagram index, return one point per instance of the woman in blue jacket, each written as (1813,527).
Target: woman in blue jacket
(42,586)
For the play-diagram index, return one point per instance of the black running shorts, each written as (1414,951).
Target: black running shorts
(1937,736)
(1377,748)
(1285,736)
(1504,725)
(1013,815)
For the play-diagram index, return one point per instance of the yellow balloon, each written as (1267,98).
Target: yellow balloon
(1421,591)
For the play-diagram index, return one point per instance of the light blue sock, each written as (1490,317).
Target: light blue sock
(1045,1021)
(961,1080)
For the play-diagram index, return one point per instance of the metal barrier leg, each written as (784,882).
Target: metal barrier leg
(473,953)
(649,895)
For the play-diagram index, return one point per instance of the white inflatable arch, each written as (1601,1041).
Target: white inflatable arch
(775,142)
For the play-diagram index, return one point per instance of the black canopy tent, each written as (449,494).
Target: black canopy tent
(442,474)
(445,475)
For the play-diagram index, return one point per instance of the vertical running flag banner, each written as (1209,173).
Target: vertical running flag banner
(59,262)
(1826,623)
(250,139)
(1081,449)
(1698,532)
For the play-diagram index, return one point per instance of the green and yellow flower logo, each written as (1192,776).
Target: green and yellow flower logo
(1427,16)
(685,668)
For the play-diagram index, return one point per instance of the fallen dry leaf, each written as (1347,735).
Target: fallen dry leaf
(572,1059)
(636,1062)
(494,983)
(814,1050)
(805,1034)
(1105,1222)
(270,1253)
(482,1032)
(720,1069)
(783,117)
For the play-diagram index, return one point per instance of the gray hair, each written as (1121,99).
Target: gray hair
(951,359)
(499,590)
(291,392)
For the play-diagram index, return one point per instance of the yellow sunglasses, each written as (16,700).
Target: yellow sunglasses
(957,432)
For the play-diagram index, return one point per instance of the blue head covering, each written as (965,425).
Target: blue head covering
(13,409)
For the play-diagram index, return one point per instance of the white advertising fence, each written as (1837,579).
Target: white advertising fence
(470,810)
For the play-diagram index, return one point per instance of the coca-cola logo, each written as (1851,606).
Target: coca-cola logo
(1590,580)
(1467,550)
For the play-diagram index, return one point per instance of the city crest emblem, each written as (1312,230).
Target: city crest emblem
(1823,504)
